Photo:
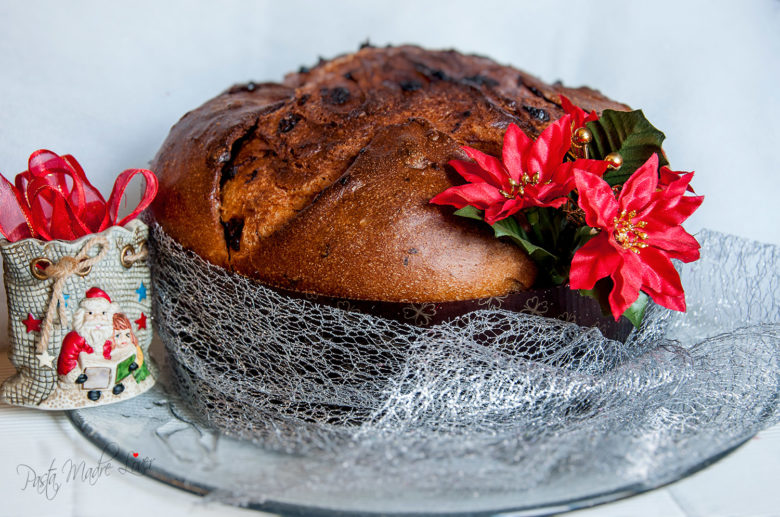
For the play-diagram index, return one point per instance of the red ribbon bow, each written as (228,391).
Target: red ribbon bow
(53,199)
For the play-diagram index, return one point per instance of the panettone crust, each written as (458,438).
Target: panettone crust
(321,184)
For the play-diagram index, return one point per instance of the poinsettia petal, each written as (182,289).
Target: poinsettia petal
(516,145)
(676,242)
(490,164)
(595,260)
(684,255)
(638,190)
(627,280)
(554,202)
(658,273)
(473,173)
(672,206)
(549,150)
(579,116)
(570,108)
(673,211)
(542,194)
(478,195)
(596,199)
(497,212)
(597,167)
(666,176)
(661,280)
(677,186)
(564,175)
(674,302)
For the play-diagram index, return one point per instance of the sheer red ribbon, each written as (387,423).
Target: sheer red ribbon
(53,199)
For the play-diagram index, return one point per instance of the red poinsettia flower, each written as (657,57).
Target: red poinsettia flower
(666,176)
(640,233)
(531,173)
(579,116)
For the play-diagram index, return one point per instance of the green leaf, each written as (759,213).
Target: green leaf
(631,135)
(636,311)
(600,293)
(557,279)
(469,212)
(581,236)
(509,228)
(548,226)
(533,217)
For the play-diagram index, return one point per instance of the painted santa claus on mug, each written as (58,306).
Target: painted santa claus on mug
(92,334)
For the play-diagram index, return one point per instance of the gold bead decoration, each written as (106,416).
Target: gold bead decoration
(614,160)
(582,136)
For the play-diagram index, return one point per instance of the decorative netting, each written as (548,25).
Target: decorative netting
(489,400)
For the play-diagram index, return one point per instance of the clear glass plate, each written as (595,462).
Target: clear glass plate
(156,435)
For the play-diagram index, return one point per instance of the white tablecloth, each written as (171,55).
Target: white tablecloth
(105,82)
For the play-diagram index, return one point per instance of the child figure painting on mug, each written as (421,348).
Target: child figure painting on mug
(124,337)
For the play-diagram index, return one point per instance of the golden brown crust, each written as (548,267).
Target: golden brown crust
(402,245)
(321,184)
(190,162)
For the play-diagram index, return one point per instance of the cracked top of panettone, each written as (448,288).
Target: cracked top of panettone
(321,183)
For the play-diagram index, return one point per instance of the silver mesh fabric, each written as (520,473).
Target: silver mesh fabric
(487,395)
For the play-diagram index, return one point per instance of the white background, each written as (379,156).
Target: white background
(105,81)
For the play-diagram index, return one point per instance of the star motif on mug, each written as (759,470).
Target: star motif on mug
(32,324)
(45,359)
(141,292)
(141,322)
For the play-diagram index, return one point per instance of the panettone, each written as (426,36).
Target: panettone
(322,183)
